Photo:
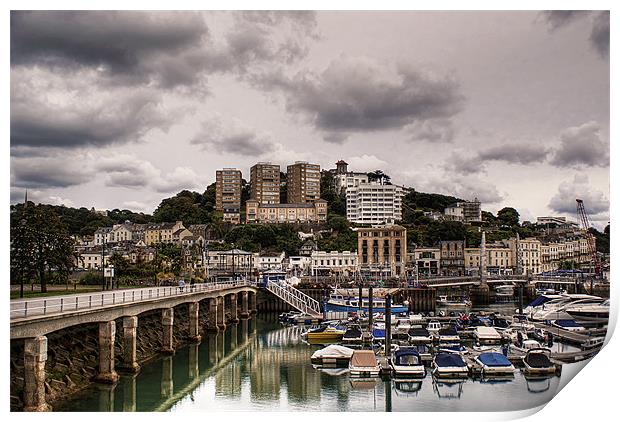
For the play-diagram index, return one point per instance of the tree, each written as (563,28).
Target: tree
(379,176)
(508,216)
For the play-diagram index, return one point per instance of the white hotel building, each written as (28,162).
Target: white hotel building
(374,203)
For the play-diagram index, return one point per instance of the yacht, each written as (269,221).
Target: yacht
(344,303)
(557,308)
(589,311)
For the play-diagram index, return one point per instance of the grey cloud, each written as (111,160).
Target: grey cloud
(432,130)
(466,188)
(558,18)
(43,173)
(233,137)
(595,201)
(581,146)
(359,94)
(335,137)
(515,153)
(599,37)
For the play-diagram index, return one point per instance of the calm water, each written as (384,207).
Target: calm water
(261,365)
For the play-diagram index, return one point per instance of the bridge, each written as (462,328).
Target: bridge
(32,320)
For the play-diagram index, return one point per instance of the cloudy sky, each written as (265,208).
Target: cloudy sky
(122,109)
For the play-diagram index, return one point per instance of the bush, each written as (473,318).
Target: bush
(92,279)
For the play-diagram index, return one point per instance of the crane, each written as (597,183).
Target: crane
(585,225)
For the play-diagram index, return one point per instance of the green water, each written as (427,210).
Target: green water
(261,365)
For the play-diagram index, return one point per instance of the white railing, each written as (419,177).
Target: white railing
(59,304)
(295,298)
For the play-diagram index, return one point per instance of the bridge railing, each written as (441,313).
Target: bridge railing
(60,304)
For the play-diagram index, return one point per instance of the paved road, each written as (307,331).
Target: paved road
(21,308)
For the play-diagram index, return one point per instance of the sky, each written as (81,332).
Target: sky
(122,109)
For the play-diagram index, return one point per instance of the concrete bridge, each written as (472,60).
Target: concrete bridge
(33,319)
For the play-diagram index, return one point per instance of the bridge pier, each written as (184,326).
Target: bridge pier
(167,322)
(130,328)
(245,311)
(234,318)
(212,315)
(194,324)
(35,356)
(221,313)
(107,374)
(252,298)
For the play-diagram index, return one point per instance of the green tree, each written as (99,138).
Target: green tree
(379,176)
(508,216)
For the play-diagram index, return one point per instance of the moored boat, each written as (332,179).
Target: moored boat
(449,365)
(538,362)
(487,335)
(364,364)
(378,332)
(419,336)
(332,355)
(406,362)
(353,334)
(495,364)
(324,334)
(568,324)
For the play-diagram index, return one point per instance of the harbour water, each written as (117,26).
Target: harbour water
(262,365)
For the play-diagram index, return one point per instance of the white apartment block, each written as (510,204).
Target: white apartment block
(349,180)
(324,263)
(374,203)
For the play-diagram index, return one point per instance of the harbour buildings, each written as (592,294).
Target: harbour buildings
(315,212)
(452,257)
(374,203)
(382,250)
(334,262)
(228,194)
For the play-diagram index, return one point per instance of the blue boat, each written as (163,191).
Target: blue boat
(449,365)
(340,303)
(495,364)
(378,332)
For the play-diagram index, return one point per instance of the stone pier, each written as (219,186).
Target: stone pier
(234,317)
(221,312)
(130,328)
(167,322)
(35,356)
(245,311)
(212,315)
(253,309)
(107,374)
(194,322)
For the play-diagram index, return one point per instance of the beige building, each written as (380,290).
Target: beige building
(382,250)
(161,233)
(265,183)
(499,259)
(334,262)
(427,261)
(529,255)
(228,194)
(285,213)
(303,182)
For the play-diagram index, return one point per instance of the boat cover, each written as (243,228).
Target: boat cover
(450,331)
(540,300)
(418,332)
(378,332)
(363,358)
(353,332)
(494,359)
(402,354)
(487,332)
(449,359)
(333,351)
(567,323)
(538,360)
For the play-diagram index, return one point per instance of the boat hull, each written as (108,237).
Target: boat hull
(412,371)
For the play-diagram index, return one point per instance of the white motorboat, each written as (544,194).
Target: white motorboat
(449,365)
(568,324)
(557,308)
(593,343)
(487,335)
(332,355)
(448,335)
(589,311)
(406,362)
(364,364)
(537,361)
(420,336)
(433,327)
(495,364)
(401,331)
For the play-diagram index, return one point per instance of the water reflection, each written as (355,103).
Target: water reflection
(259,364)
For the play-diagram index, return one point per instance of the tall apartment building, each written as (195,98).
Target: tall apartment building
(265,183)
(228,194)
(374,203)
(382,251)
(303,182)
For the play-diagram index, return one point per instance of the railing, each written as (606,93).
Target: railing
(295,298)
(60,304)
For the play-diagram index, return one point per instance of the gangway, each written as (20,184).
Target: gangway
(297,299)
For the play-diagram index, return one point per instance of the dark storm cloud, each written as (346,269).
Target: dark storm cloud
(359,94)
(86,121)
(42,173)
(432,130)
(599,37)
(581,146)
(557,18)
(127,44)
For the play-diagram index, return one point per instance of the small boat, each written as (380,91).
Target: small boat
(378,332)
(364,364)
(449,365)
(353,334)
(419,336)
(495,364)
(424,351)
(487,335)
(520,322)
(443,301)
(538,362)
(332,355)
(406,362)
(449,335)
(452,348)
(568,324)
(324,334)
(433,327)
(401,331)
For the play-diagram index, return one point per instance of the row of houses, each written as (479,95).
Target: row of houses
(146,234)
